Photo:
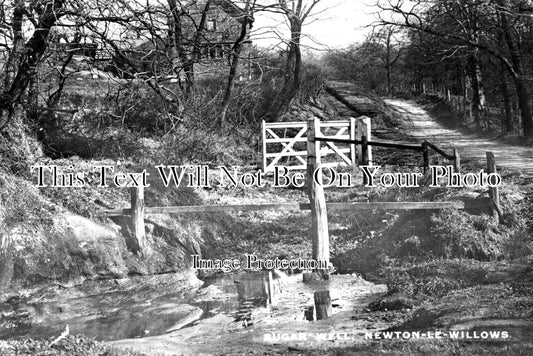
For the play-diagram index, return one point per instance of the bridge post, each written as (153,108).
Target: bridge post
(137,216)
(317,200)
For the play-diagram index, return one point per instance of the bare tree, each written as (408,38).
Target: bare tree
(25,57)
(234,59)
(296,13)
(472,20)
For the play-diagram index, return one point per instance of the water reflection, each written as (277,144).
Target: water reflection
(137,313)
(243,292)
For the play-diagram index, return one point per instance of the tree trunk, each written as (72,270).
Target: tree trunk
(507,124)
(18,43)
(33,52)
(478,94)
(388,63)
(518,75)
(293,69)
(235,56)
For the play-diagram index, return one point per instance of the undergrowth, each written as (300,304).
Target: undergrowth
(70,345)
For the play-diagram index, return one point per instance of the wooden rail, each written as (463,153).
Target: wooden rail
(424,148)
(371,143)
(357,206)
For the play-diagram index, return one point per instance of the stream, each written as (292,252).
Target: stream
(134,311)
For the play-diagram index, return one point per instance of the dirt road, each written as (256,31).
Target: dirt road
(350,100)
(424,127)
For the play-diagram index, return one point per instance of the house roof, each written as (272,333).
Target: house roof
(230,8)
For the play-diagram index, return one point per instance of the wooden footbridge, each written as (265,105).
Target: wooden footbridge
(350,141)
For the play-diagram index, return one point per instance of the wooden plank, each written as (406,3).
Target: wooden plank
(439,151)
(300,124)
(285,125)
(342,137)
(317,199)
(339,151)
(287,154)
(338,123)
(304,139)
(225,208)
(395,206)
(270,169)
(285,140)
(372,143)
(292,207)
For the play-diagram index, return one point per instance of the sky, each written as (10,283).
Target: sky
(336,24)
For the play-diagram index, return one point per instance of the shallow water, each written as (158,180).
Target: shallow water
(134,313)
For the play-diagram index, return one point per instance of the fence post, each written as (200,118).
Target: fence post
(317,200)
(456,161)
(263,134)
(137,216)
(364,130)
(425,153)
(494,192)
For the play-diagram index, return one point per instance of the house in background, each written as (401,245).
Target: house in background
(208,49)
(156,51)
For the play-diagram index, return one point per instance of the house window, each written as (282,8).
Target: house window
(212,25)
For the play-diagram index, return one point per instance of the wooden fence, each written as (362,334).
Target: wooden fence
(463,106)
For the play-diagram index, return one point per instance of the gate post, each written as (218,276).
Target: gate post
(264,145)
(364,130)
(317,200)
(353,137)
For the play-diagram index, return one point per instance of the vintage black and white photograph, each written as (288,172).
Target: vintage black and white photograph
(266,177)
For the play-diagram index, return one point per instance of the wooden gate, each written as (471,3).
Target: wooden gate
(285,143)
